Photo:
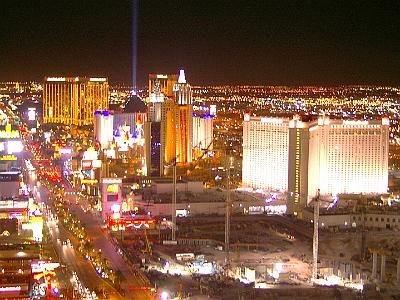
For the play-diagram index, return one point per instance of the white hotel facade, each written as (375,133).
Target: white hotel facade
(265,153)
(348,156)
(343,157)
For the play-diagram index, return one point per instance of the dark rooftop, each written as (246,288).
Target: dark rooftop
(135,104)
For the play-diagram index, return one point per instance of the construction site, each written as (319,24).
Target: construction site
(229,243)
(267,256)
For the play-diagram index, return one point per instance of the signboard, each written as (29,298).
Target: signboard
(90,154)
(9,134)
(87,165)
(65,151)
(8,157)
(14,146)
(86,174)
(96,164)
(111,180)
(184,256)
(42,266)
(31,114)
(89,181)
(9,177)
(10,289)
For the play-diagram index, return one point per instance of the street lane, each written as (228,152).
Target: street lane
(135,285)
(67,255)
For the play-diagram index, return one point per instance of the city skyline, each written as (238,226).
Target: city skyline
(274,43)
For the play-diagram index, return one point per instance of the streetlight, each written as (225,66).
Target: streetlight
(174,201)
(228,207)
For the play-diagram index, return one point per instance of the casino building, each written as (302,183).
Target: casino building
(348,156)
(265,152)
(73,100)
(333,156)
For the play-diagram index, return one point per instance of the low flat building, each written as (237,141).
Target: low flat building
(389,219)
(16,257)
(165,186)
(208,202)
(9,184)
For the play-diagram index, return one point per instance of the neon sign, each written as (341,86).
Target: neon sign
(55,78)
(98,79)
(8,289)
(4,134)
(111,180)
(8,157)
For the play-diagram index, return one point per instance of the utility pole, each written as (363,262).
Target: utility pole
(174,201)
(227,208)
(315,237)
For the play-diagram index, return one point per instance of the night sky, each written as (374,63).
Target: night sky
(217,42)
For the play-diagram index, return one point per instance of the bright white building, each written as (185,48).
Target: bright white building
(103,127)
(348,156)
(265,153)
(202,133)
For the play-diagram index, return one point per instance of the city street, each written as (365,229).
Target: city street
(135,285)
(67,255)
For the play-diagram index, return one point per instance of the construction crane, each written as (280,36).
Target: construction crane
(315,236)
(228,197)
(173,212)
(362,204)
(197,161)
(317,200)
(147,248)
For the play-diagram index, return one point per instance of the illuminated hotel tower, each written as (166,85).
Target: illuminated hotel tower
(162,82)
(334,156)
(183,118)
(297,166)
(265,153)
(158,151)
(348,156)
(202,134)
(73,100)
(168,132)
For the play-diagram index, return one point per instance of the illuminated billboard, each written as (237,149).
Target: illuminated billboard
(9,132)
(14,147)
(111,191)
(31,114)
(130,223)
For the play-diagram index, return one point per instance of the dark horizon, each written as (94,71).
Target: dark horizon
(284,43)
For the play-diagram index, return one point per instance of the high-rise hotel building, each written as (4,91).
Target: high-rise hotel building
(348,156)
(169,130)
(298,157)
(265,153)
(161,84)
(203,134)
(333,156)
(73,100)
(184,122)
